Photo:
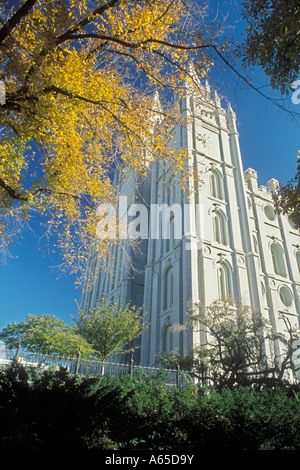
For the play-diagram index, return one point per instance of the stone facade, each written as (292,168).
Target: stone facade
(235,244)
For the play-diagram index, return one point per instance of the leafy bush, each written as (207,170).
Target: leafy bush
(244,418)
(56,410)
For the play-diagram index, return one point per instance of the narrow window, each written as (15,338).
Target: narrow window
(167,345)
(216,185)
(255,244)
(278,261)
(168,288)
(298,260)
(172,238)
(170,241)
(219,228)
(213,185)
(224,282)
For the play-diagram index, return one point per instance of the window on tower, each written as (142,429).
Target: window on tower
(167,339)
(170,241)
(216,185)
(298,260)
(286,296)
(224,282)
(256,250)
(278,260)
(168,288)
(219,228)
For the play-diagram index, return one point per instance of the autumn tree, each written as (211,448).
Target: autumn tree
(79,80)
(111,329)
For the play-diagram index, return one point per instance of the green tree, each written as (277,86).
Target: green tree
(273,40)
(111,329)
(45,334)
(273,43)
(287,198)
(241,348)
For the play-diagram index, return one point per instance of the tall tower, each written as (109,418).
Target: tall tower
(230,242)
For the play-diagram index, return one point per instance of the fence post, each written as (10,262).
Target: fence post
(131,365)
(178,376)
(78,361)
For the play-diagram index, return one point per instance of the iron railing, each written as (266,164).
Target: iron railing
(84,367)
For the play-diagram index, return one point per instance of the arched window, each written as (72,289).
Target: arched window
(255,245)
(167,339)
(215,185)
(298,260)
(224,282)
(171,191)
(219,228)
(278,260)
(172,233)
(118,267)
(168,288)
(170,241)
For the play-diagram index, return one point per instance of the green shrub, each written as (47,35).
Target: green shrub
(56,410)
(244,418)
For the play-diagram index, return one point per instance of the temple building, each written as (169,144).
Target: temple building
(223,239)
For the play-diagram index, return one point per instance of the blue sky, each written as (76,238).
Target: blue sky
(269,141)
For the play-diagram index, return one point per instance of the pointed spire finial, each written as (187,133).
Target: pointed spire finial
(217,98)
(230,110)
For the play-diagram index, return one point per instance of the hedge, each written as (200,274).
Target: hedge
(59,411)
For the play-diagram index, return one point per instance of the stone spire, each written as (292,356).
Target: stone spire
(156,111)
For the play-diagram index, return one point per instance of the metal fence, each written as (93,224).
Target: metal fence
(84,367)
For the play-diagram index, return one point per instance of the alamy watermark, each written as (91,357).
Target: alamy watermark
(157,221)
(296,94)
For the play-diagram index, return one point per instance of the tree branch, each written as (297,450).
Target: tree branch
(65,36)
(25,198)
(61,91)
(11,191)
(15,19)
